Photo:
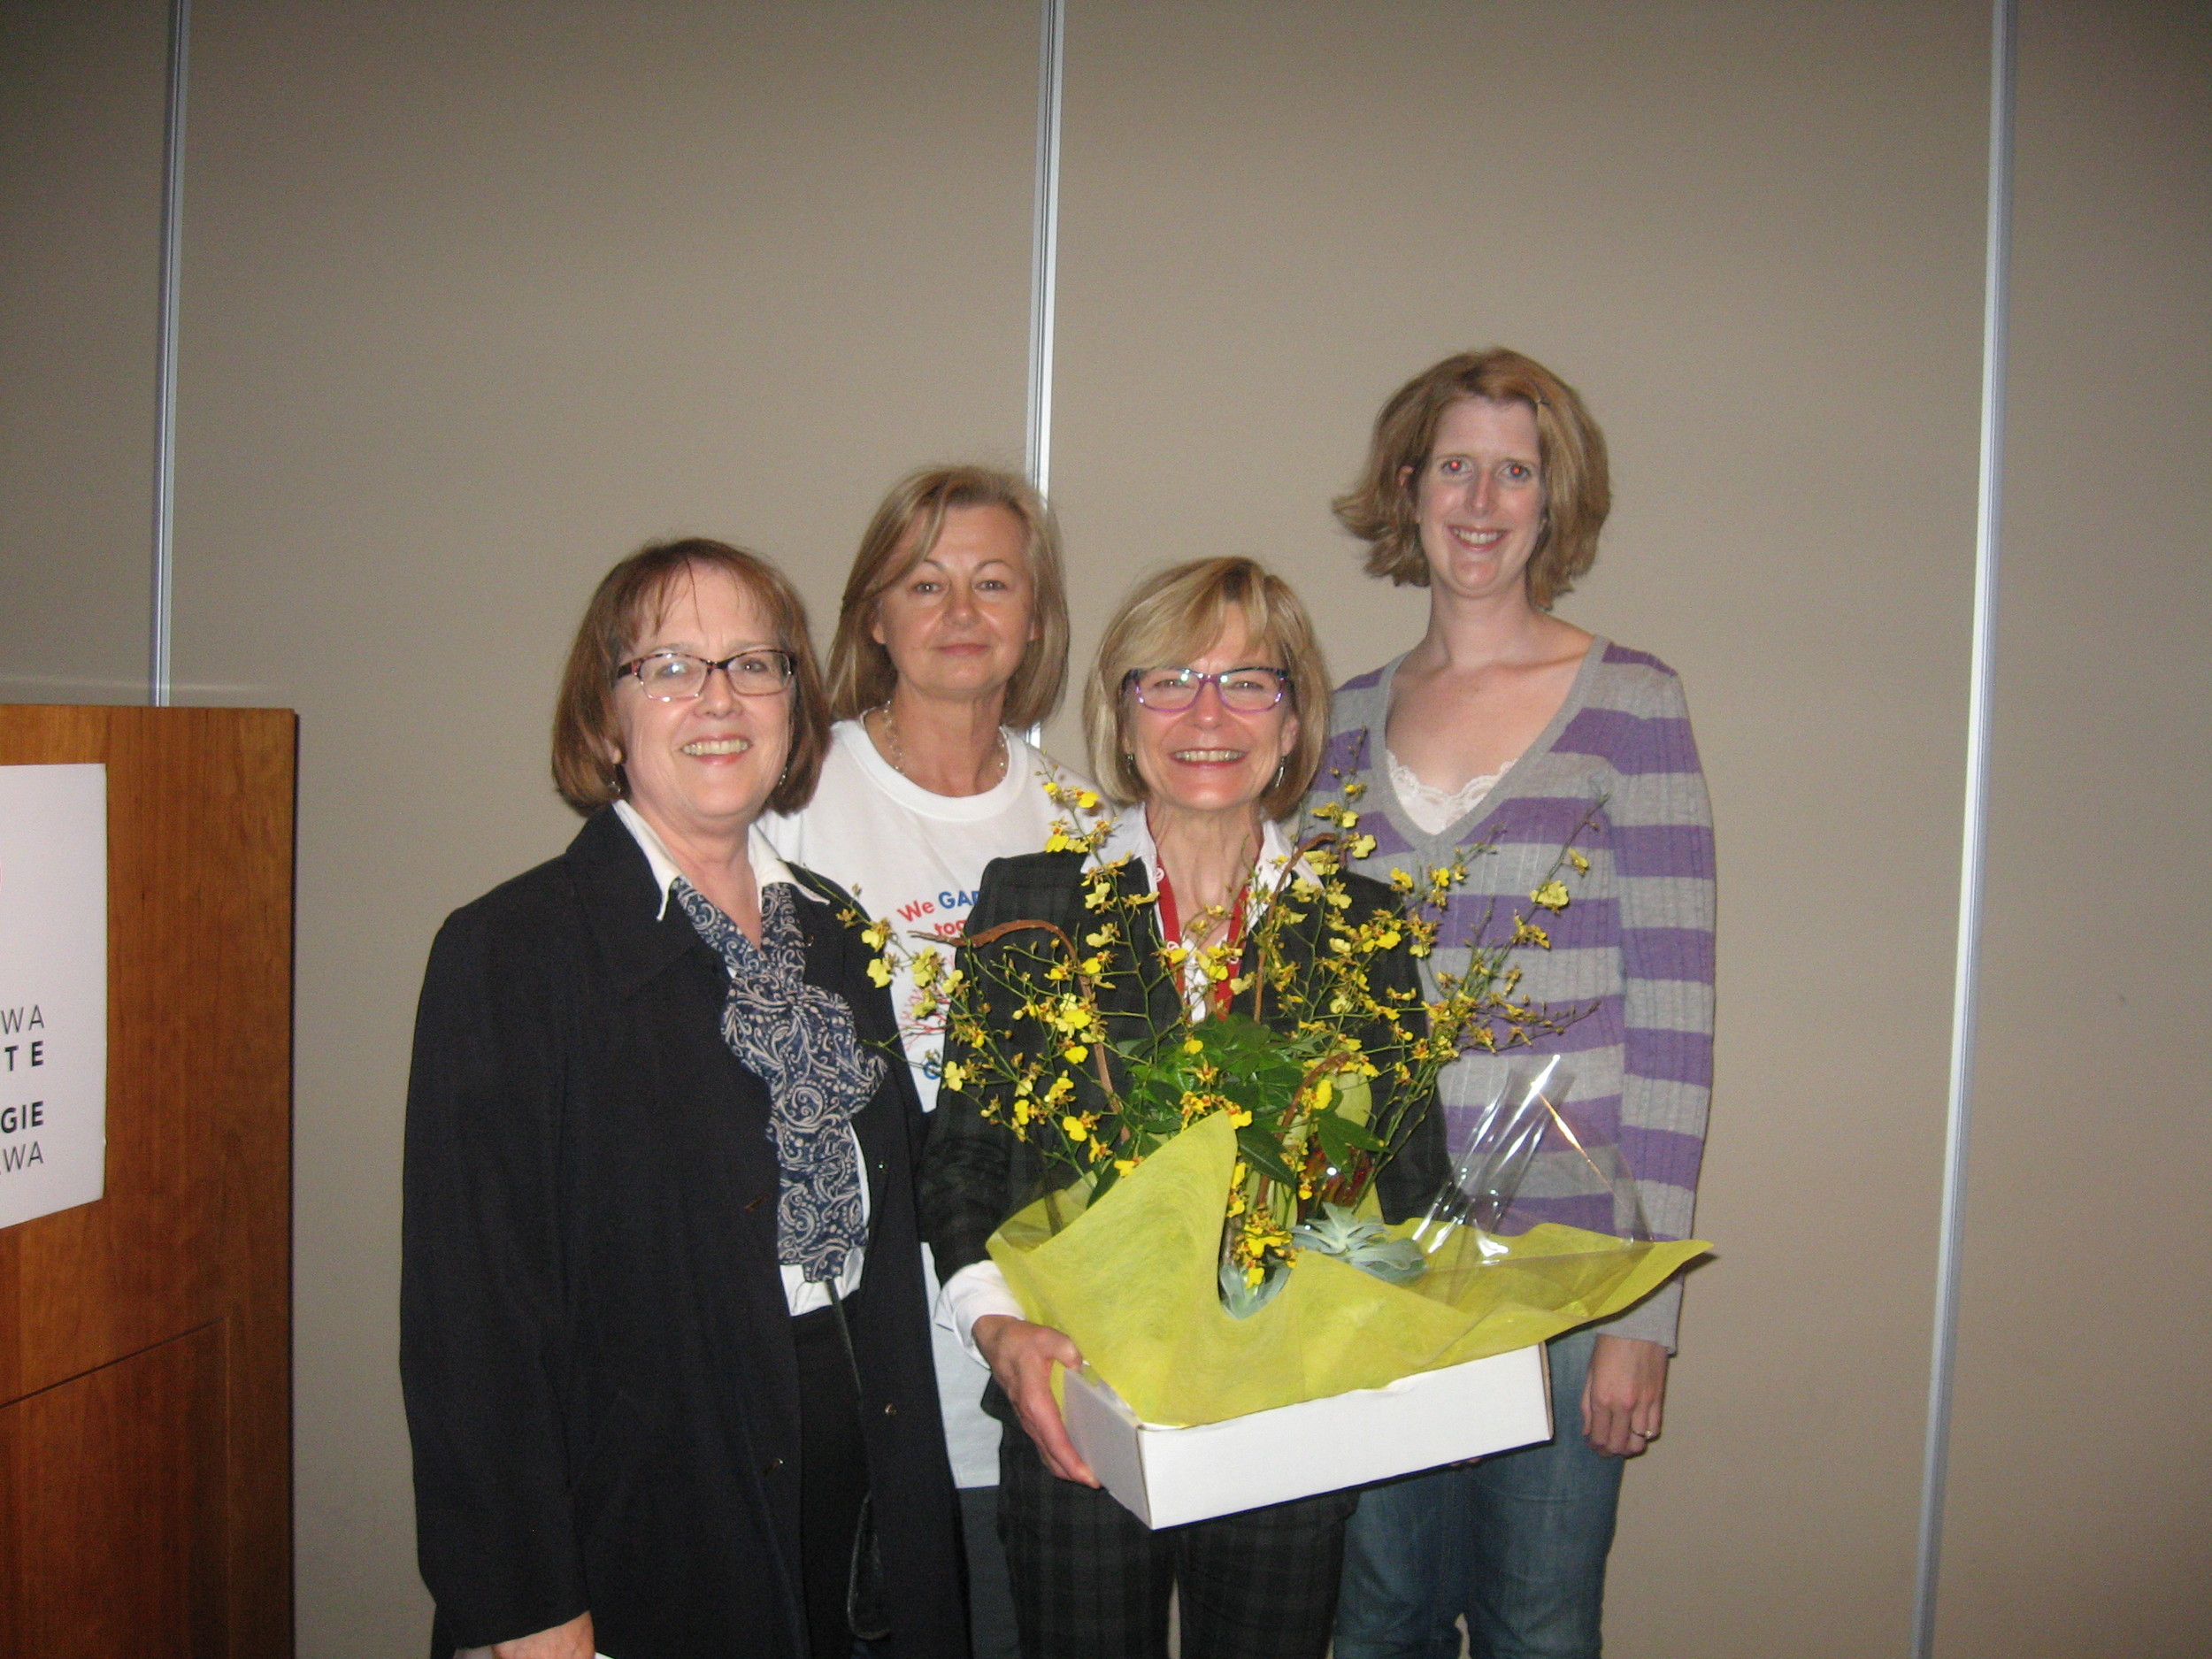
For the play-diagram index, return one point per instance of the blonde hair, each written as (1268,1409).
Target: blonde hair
(904,530)
(1382,508)
(630,599)
(1177,614)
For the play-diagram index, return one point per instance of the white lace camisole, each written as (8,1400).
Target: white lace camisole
(1435,810)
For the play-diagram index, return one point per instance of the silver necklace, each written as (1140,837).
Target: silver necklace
(897,756)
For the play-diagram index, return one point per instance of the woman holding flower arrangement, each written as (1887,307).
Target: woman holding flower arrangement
(1192,912)
(953,636)
(1485,482)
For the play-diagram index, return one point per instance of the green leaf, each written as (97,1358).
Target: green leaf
(1257,1148)
(1341,1137)
(1242,1300)
(1362,1244)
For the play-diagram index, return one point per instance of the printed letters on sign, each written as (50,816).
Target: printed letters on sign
(53,988)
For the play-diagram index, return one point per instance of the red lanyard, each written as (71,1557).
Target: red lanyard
(1171,931)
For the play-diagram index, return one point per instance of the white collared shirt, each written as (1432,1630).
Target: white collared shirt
(803,1296)
(1132,837)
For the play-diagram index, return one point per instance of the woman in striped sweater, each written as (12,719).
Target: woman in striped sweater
(1505,726)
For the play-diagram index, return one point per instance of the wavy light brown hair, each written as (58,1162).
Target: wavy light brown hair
(631,600)
(905,529)
(1177,614)
(1381,509)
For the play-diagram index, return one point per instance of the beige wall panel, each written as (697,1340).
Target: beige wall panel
(1752,235)
(82,92)
(480,298)
(2081,1485)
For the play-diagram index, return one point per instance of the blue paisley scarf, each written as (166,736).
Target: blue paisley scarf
(799,1040)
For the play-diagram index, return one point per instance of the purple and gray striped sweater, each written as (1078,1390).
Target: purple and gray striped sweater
(1635,946)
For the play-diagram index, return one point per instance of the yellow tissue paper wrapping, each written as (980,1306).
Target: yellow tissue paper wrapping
(1133,1280)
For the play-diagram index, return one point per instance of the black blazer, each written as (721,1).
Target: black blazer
(596,1350)
(976,1173)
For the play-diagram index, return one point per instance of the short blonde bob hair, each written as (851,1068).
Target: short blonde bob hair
(1179,613)
(1381,509)
(631,600)
(905,529)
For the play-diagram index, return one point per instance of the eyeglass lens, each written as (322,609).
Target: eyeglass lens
(1245,690)
(672,676)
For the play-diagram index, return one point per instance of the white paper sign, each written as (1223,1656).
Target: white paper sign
(53,988)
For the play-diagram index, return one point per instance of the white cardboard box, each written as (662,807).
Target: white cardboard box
(1166,1477)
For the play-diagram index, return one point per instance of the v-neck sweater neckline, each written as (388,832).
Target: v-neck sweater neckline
(1382,791)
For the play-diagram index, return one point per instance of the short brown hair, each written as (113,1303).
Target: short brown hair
(1380,508)
(905,529)
(1177,614)
(630,599)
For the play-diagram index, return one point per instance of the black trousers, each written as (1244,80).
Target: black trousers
(832,1480)
(1091,1582)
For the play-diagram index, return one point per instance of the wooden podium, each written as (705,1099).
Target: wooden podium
(145,1339)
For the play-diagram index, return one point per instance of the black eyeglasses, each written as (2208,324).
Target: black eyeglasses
(1252,690)
(678,676)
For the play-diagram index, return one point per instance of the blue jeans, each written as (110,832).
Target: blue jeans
(1517,1543)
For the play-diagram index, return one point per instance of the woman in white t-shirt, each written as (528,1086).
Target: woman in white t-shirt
(952,638)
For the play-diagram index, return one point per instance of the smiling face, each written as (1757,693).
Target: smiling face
(1209,758)
(702,768)
(955,625)
(1479,500)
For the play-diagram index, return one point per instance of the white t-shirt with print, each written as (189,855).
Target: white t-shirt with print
(915,859)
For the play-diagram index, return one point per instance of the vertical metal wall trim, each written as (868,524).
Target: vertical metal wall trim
(1966,986)
(166,371)
(1044,259)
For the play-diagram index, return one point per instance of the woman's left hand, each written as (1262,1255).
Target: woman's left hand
(1625,1395)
